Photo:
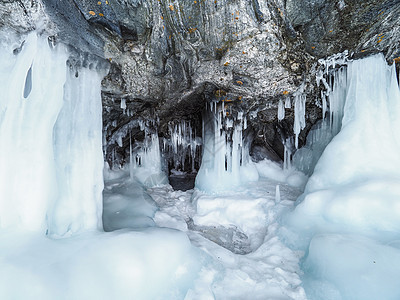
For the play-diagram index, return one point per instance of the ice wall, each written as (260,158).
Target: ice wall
(349,216)
(226,163)
(50,139)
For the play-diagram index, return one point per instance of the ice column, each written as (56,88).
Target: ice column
(226,162)
(281,110)
(50,140)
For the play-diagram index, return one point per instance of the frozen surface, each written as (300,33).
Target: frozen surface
(126,204)
(223,240)
(348,217)
(187,259)
(52,243)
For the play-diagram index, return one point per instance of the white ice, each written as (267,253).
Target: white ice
(50,140)
(348,217)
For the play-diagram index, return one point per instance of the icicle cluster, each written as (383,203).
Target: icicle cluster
(333,99)
(226,162)
(182,147)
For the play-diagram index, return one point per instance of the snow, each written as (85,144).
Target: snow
(348,217)
(238,231)
(146,264)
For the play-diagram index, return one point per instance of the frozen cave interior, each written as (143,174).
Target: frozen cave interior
(80,220)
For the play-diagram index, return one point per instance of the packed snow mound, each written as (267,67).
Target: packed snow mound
(149,264)
(352,267)
(349,214)
(274,171)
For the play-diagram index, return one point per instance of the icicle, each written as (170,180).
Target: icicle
(287,156)
(333,100)
(281,110)
(182,145)
(123,105)
(323,97)
(287,103)
(299,113)
(119,141)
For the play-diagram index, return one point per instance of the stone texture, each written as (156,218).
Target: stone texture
(168,58)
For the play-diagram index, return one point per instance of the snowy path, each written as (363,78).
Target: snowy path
(269,271)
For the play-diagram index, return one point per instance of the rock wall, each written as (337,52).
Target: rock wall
(168,58)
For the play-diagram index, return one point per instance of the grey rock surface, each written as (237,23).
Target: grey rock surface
(168,58)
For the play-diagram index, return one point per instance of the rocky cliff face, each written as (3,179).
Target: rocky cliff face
(166,59)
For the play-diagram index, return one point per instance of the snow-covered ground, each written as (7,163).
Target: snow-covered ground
(176,256)
(238,231)
(235,232)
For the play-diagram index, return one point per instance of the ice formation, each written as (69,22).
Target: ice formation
(324,130)
(281,110)
(348,216)
(50,131)
(145,162)
(299,113)
(77,147)
(225,162)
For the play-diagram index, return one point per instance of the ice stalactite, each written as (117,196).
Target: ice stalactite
(225,162)
(299,113)
(50,141)
(281,110)
(287,153)
(277,194)
(182,149)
